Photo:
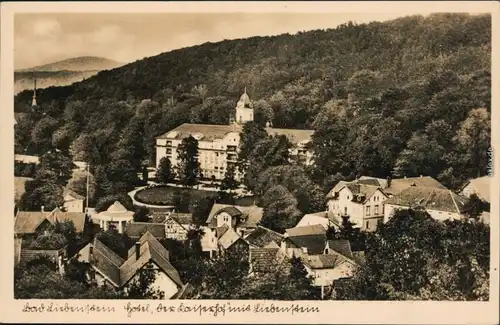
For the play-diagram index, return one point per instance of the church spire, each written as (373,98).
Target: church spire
(33,101)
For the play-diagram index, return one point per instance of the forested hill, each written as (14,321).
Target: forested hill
(386,81)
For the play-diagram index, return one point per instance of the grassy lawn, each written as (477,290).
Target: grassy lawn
(164,195)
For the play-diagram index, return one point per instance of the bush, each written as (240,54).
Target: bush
(49,242)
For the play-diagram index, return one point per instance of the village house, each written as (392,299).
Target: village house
(115,272)
(27,159)
(263,237)
(177,225)
(229,241)
(362,200)
(243,219)
(326,268)
(441,204)
(302,241)
(28,225)
(116,216)
(218,145)
(32,223)
(73,202)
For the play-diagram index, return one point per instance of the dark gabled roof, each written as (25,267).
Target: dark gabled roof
(149,252)
(369,181)
(120,271)
(72,193)
(315,244)
(264,259)
(106,262)
(262,237)
(182,218)
(137,229)
(429,198)
(232,211)
(341,246)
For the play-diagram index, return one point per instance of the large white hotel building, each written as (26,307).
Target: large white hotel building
(218,145)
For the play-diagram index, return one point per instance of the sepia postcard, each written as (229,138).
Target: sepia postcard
(244,162)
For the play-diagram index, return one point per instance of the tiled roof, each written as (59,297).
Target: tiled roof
(209,132)
(481,187)
(322,217)
(294,135)
(106,262)
(137,229)
(72,193)
(149,252)
(315,244)
(183,292)
(232,211)
(220,231)
(262,237)
(78,218)
(361,192)
(324,261)
(182,218)
(342,246)
(120,271)
(228,238)
(306,230)
(399,184)
(252,214)
(26,222)
(429,198)
(263,259)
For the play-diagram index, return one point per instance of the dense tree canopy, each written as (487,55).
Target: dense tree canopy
(428,260)
(375,93)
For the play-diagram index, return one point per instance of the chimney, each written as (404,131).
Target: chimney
(389,181)
(137,250)
(91,251)
(43,208)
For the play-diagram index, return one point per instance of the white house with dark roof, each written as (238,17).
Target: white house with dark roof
(116,272)
(441,204)
(73,202)
(363,199)
(243,219)
(218,145)
(362,203)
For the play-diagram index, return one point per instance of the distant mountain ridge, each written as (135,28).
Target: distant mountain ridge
(62,73)
(81,63)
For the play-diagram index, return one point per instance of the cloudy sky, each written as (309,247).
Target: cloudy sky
(45,38)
